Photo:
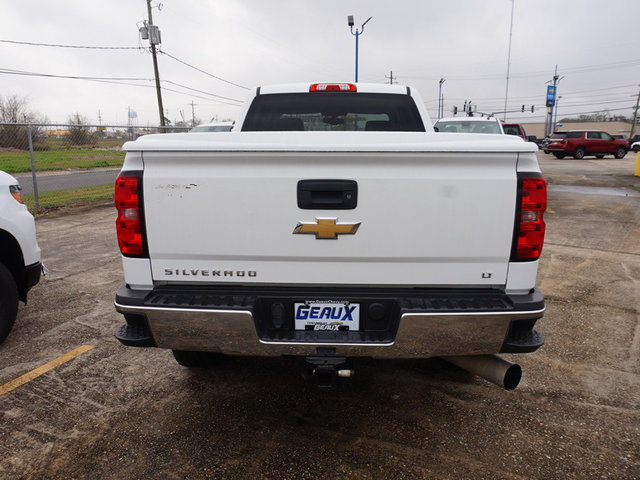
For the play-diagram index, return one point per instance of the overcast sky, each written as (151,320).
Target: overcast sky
(595,44)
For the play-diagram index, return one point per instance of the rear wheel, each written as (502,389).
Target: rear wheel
(579,153)
(192,359)
(620,152)
(8,301)
(636,148)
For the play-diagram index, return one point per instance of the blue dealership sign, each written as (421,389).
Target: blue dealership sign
(551,95)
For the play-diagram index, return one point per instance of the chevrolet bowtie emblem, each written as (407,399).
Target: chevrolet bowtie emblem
(327,228)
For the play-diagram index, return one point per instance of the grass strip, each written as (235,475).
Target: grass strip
(74,196)
(60,160)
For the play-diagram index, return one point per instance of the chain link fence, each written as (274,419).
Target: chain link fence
(63,164)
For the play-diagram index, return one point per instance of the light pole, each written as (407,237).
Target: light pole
(442,80)
(506,93)
(556,81)
(555,122)
(357,34)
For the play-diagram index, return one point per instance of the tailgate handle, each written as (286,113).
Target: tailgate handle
(327,194)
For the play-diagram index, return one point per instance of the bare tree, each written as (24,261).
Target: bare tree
(79,131)
(14,110)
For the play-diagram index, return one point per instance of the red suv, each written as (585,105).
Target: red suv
(579,143)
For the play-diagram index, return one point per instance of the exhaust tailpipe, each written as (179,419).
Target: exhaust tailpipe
(490,367)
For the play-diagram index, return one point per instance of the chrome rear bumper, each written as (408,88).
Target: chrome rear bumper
(419,334)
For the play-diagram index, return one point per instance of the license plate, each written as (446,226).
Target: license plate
(327,315)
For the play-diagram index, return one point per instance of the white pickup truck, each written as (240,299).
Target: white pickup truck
(332,223)
(20,263)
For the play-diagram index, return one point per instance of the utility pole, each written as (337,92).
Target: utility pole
(440,99)
(154,39)
(193,114)
(506,93)
(390,77)
(635,117)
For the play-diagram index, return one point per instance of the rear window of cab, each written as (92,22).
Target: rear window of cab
(333,111)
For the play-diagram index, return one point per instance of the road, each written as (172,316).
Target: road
(114,412)
(62,180)
(50,182)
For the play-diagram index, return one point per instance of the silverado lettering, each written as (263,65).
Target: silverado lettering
(212,273)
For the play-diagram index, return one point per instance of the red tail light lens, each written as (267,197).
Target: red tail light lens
(128,191)
(529,236)
(332,87)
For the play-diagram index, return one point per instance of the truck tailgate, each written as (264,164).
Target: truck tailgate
(426,218)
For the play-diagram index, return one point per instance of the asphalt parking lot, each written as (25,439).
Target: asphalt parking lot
(112,412)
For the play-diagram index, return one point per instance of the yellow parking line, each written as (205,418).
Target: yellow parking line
(27,377)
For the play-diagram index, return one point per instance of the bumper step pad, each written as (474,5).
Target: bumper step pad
(135,334)
(523,341)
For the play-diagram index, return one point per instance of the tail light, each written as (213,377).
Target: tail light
(530,226)
(128,200)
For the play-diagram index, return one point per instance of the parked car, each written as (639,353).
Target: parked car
(20,264)
(514,129)
(468,125)
(634,139)
(213,127)
(518,130)
(580,143)
(623,137)
(554,136)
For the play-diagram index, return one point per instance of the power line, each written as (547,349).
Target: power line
(565,104)
(604,88)
(578,69)
(564,94)
(599,111)
(115,80)
(9,71)
(202,91)
(569,115)
(202,71)
(191,95)
(15,42)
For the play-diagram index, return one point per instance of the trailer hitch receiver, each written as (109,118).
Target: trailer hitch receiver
(324,368)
